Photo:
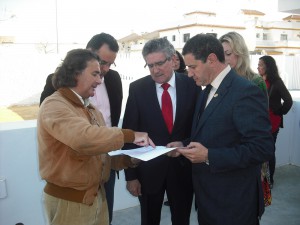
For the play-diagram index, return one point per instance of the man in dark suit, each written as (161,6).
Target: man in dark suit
(108,96)
(230,139)
(151,179)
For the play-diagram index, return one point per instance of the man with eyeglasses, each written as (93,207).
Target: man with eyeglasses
(108,96)
(145,112)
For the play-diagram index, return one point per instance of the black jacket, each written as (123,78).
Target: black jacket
(277,92)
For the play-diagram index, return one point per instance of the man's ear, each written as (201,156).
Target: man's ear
(211,58)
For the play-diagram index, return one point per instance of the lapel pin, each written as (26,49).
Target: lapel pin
(216,95)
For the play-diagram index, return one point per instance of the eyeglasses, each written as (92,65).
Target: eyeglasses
(157,64)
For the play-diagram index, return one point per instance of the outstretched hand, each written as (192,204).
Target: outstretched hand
(142,139)
(174,153)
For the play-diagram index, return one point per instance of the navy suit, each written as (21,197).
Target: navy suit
(173,175)
(235,128)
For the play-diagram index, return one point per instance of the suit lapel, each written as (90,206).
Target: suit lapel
(215,101)
(180,97)
(196,113)
(152,99)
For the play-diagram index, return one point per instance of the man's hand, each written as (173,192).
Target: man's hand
(174,144)
(134,187)
(142,139)
(195,152)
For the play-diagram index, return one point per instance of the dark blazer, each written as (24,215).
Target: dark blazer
(278,91)
(235,128)
(143,113)
(48,88)
(113,84)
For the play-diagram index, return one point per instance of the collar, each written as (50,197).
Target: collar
(85,102)
(218,80)
(171,82)
(73,97)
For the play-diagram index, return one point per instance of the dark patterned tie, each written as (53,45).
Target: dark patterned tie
(166,107)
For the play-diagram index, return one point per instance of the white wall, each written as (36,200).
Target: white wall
(19,168)
(288,141)
(19,175)
(22,199)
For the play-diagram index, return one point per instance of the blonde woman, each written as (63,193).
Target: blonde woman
(237,56)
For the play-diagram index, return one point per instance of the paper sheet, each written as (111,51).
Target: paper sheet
(143,153)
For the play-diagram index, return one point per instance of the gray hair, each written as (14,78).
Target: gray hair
(158,45)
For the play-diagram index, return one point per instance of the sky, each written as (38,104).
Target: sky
(77,21)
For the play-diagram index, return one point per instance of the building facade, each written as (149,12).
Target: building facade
(261,36)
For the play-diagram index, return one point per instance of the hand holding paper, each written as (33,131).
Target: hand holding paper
(142,139)
(143,153)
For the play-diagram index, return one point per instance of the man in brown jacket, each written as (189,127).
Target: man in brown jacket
(73,141)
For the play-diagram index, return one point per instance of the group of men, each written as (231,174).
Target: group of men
(220,141)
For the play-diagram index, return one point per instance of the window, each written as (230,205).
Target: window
(165,37)
(283,37)
(186,37)
(265,36)
(257,35)
(173,38)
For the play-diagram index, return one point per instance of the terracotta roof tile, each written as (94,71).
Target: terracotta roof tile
(252,12)
(292,17)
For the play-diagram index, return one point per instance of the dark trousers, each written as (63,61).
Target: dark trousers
(272,162)
(180,206)
(110,189)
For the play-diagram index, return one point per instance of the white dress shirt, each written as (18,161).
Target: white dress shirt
(172,92)
(101,101)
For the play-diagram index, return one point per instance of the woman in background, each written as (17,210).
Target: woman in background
(277,91)
(179,66)
(237,56)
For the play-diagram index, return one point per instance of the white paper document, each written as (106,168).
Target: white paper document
(143,153)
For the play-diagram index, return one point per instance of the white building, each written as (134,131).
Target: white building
(271,37)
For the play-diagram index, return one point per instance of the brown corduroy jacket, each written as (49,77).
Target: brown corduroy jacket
(73,142)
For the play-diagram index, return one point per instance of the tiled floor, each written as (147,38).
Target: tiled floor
(285,208)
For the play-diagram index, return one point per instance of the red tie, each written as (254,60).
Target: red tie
(166,107)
